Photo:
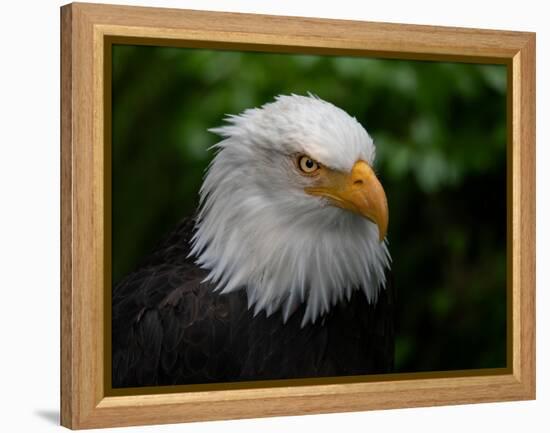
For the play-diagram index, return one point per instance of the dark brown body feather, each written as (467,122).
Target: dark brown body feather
(168,329)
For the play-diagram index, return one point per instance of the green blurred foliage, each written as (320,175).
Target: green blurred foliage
(440,131)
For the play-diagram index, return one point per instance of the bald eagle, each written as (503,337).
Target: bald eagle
(283,272)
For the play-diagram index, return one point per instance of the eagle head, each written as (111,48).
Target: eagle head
(291,210)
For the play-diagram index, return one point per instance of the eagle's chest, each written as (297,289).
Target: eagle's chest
(168,328)
(353,338)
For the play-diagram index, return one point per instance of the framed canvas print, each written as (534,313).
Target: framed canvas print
(267,215)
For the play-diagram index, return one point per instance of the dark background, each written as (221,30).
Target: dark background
(440,132)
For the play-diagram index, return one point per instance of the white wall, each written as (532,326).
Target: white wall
(29,229)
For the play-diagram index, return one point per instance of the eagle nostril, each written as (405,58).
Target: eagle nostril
(358,182)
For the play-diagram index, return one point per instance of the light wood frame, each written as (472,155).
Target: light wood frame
(85,169)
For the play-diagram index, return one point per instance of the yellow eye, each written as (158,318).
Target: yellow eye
(307,165)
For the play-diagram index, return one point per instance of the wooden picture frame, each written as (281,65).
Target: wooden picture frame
(87,32)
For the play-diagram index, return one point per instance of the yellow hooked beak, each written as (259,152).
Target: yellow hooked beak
(359,191)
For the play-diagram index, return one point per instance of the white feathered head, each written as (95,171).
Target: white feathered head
(291,210)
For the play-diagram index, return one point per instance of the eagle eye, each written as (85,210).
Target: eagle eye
(307,165)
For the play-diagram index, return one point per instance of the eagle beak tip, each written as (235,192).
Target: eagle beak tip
(381,235)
